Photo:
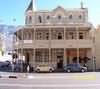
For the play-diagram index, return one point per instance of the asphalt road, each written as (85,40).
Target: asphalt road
(90,80)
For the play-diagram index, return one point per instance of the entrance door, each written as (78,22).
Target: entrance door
(27,58)
(60,62)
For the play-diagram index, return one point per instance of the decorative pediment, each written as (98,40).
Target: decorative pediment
(59,10)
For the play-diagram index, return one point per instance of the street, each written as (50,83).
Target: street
(89,80)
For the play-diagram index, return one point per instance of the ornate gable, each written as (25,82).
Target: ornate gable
(59,10)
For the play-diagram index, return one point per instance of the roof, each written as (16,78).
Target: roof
(30,6)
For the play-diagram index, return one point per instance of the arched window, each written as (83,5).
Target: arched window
(40,19)
(80,16)
(70,17)
(59,35)
(48,17)
(71,35)
(30,19)
(47,36)
(59,17)
(39,36)
(81,35)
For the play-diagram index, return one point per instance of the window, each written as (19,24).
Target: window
(30,19)
(47,36)
(81,35)
(42,55)
(48,17)
(38,35)
(80,16)
(59,36)
(59,17)
(38,56)
(71,35)
(46,55)
(29,36)
(70,17)
(40,19)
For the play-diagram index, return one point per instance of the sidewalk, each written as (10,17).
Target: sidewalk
(87,75)
(12,75)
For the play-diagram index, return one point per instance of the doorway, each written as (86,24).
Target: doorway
(27,58)
(59,62)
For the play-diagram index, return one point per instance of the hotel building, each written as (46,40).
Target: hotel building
(57,37)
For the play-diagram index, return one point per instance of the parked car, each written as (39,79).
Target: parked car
(44,68)
(5,66)
(74,68)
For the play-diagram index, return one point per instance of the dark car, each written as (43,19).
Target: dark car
(74,68)
(5,66)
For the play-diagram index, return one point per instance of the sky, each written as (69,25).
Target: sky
(15,9)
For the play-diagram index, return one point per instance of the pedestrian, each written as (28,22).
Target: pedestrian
(28,68)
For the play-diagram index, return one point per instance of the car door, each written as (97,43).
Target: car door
(75,67)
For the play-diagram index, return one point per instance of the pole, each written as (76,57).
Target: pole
(15,40)
(22,51)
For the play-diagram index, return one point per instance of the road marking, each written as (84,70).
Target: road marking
(76,77)
(51,85)
(85,77)
(48,77)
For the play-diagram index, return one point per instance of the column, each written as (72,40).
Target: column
(65,56)
(93,56)
(50,62)
(77,32)
(22,44)
(34,48)
(17,39)
(22,48)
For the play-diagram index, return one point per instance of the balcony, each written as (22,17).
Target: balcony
(42,43)
(24,44)
(79,43)
(84,43)
(71,43)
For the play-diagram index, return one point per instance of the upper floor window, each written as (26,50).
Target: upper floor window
(70,17)
(27,36)
(40,19)
(48,17)
(38,35)
(71,35)
(30,19)
(80,16)
(59,17)
(81,35)
(59,36)
(47,36)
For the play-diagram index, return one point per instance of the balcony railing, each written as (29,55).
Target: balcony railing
(81,43)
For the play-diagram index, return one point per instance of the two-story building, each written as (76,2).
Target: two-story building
(57,37)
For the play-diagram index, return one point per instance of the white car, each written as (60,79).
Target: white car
(44,68)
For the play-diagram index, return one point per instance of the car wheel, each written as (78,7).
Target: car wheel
(38,70)
(68,70)
(82,70)
(50,70)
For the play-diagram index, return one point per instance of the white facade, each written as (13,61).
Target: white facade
(56,37)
